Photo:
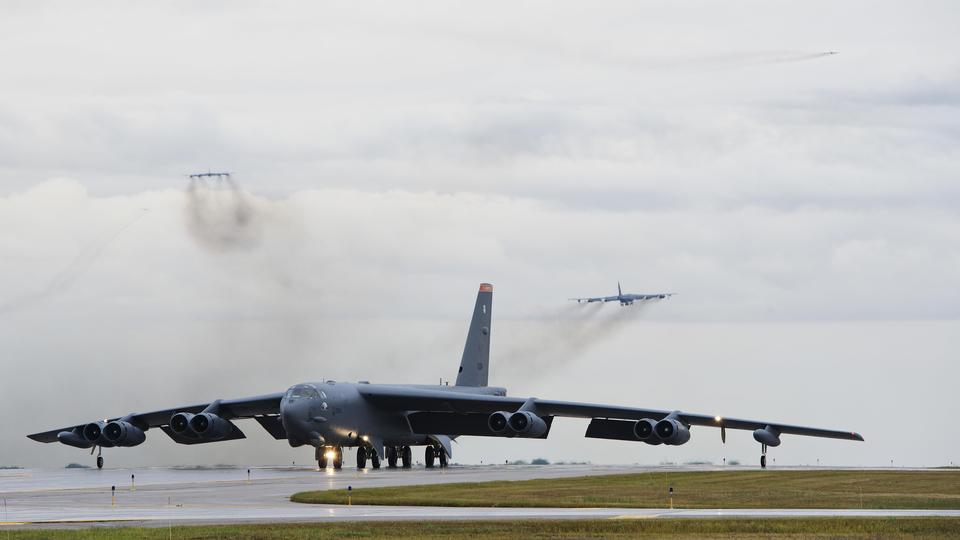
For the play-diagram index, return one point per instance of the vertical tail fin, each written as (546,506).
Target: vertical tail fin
(619,290)
(475,363)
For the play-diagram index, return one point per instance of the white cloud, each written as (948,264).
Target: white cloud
(396,157)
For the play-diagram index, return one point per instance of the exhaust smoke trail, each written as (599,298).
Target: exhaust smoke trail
(65,279)
(556,337)
(221,217)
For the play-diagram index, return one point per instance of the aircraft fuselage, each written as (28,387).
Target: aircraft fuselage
(335,414)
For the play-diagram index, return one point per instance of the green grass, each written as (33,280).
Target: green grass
(821,528)
(709,489)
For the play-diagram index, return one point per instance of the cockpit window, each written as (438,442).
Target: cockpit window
(302,391)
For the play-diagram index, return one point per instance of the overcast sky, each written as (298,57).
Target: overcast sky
(806,208)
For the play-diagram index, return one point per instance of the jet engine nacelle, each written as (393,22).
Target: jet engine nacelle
(768,436)
(74,438)
(210,426)
(93,434)
(498,423)
(527,424)
(670,431)
(180,423)
(122,433)
(643,431)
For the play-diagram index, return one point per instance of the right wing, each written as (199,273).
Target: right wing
(415,399)
(267,405)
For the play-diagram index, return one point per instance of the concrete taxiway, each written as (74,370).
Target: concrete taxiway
(161,496)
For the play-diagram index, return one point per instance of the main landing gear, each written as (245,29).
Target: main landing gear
(321,454)
(435,452)
(763,456)
(99,450)
(363,453)
(401,454)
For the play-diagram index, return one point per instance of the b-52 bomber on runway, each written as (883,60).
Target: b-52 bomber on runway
(386,420)
(624,299)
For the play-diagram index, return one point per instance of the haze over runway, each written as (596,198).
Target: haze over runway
(802,204)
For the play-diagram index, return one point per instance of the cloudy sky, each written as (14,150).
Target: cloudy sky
(806,208)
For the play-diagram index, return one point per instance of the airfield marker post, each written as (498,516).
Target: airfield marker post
(349,496)
(113,495)
(671,497)
(248,476)
(133,482)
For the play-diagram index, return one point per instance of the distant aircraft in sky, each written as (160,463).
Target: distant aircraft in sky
(382,421)
(208,174)
(624,299)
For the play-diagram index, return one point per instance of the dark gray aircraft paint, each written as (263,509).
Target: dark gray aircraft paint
(385,420)
(624,299)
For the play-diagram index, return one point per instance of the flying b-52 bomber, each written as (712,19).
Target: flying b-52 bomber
(624,299)
(386,420)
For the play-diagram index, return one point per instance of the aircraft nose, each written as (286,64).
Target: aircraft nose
(294,416)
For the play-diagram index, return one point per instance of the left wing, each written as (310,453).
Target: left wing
(595,299)
(228,409)
(416,399)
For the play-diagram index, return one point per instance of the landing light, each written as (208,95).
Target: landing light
(717,419)
(366,439)
(330,454)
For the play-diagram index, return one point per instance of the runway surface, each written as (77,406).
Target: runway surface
(162,496)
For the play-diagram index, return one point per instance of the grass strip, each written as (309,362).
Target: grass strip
(698,489)
(906,528)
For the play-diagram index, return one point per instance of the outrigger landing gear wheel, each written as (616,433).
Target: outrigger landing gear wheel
(443,457)
(337,458)
(428,457)
(99,462)
(321,457)
(374,460)
(361,457)
(406,457)
(392,457)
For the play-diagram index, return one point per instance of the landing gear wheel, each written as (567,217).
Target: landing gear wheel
(321,457)
(361,457)
(374,460)
(392,457)
(428,457)
(99,462)
(337,458)
(406,457)
(443,457)
(763,462)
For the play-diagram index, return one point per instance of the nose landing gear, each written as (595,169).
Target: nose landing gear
(337,459)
